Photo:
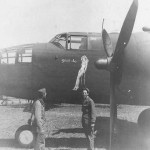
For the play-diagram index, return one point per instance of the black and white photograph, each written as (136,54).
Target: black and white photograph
(74,74)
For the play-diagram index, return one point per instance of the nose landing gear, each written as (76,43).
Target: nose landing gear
(25,136)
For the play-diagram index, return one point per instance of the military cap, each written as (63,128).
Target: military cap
(43,90)
(88,91)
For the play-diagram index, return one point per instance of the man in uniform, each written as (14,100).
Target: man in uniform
(88,117)
(38,119)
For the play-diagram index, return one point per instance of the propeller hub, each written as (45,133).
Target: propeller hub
(103,63)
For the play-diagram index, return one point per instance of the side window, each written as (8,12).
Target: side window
(60,41)
(77,42)
(13,56)
(25,55)
(94,43)
(8,57)
(4,58)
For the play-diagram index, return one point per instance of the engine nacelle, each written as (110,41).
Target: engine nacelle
(144,121)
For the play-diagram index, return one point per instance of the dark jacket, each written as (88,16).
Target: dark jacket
(89,112)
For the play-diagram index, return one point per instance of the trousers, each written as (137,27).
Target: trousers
(89,133)
(39,141)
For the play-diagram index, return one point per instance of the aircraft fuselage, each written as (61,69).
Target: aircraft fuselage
(66,64)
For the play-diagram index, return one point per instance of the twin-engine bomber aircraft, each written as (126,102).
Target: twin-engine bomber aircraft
(67,63)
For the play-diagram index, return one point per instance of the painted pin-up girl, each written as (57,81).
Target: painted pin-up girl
(81,72)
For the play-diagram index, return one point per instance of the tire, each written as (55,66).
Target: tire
(25,136)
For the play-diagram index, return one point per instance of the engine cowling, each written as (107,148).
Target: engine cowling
(144,121)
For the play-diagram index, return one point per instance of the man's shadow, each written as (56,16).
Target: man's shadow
(126,138)
(101,140)
(126,132)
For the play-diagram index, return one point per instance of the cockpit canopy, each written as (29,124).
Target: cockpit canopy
(78,41)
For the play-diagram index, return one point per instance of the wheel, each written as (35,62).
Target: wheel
(25,136)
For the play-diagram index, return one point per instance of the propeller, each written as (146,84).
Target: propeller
(114,61)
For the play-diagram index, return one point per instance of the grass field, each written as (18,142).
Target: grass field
(65,131)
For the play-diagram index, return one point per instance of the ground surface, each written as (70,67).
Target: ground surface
(64,127)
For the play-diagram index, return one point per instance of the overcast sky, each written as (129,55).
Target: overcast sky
(32,21)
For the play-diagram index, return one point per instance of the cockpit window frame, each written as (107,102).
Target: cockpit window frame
(80,40)
(96,43)
(56,40)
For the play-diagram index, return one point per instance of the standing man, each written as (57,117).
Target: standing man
(88,117)
(38,119)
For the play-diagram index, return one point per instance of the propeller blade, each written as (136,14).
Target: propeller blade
(126,30)
(123,40)
(113,110)
(102,24)
(116,74)
(107,43)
